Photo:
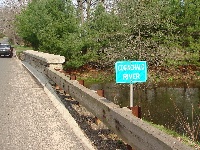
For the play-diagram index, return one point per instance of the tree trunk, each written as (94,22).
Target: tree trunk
(199,55)
(88,8)
(80,8)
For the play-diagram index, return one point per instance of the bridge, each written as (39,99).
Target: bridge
(28,118)
(45,67)
(134,131)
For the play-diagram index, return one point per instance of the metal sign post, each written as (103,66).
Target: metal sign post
(131,95)
(131,72)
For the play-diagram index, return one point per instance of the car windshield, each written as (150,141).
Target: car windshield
(4,46)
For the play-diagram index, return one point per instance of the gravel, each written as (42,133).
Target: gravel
(28,118)
(101,137)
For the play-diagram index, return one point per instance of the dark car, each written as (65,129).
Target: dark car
(6,50)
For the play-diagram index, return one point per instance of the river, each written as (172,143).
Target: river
(173,105)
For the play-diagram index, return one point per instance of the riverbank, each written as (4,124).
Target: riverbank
(164,74)
(180,76)
(173,73)
(101,74)
(99,134)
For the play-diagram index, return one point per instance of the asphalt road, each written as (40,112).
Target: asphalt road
(28,120)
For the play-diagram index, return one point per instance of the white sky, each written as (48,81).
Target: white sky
(1,2)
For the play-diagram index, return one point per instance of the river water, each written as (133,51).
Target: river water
(175,106)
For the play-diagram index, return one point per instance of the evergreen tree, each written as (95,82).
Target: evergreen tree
(52,26)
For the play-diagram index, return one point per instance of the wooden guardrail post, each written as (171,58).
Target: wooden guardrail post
(100,93)
(56,86)
(73,77)
(136,111)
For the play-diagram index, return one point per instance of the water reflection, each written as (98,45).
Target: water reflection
(164,104)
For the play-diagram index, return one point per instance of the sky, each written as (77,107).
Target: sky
(1,2)
(11,1)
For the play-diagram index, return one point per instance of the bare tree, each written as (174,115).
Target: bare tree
(9,9)
(85,7)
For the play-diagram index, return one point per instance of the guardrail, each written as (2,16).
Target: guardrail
(41,61)
(134,131)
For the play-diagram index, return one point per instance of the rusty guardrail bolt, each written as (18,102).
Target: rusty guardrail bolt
(57,87)
(72,77)
(100,93)
(136,111)
(81,82)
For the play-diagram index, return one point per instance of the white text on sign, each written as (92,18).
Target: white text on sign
(131,67)
(131,76)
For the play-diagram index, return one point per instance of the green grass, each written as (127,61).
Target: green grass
(183,138)
(19,49)
(100,78)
